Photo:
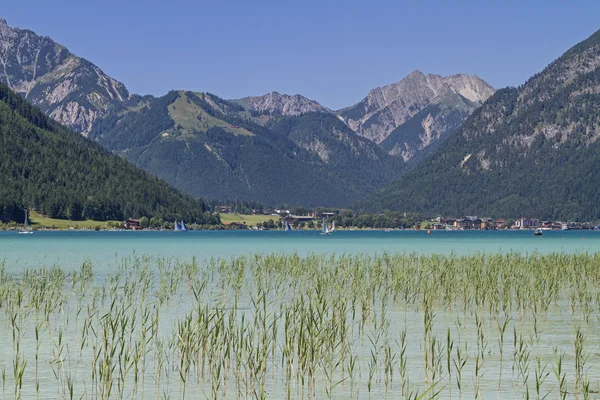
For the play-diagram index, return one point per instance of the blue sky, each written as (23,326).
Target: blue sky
(333,52)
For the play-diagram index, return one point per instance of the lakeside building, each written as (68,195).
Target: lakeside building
(133,224)
(526,223)
(301,218)
(467,223)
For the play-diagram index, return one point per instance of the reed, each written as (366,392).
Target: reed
(288,326)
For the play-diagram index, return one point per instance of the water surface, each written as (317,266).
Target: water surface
(70,248)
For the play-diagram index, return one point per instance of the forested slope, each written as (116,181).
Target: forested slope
(528,151)
(45,166)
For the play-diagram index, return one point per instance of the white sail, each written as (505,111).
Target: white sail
(176,226)
(332,226)
(325,230)
(25,228)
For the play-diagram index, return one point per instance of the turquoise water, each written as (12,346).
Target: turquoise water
(85,309)
(69,249)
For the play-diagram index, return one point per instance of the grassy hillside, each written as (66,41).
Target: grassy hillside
(207,147)
(247,219)
(39,221)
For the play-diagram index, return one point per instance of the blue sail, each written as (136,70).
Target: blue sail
(287,225)
(183,227)
(176,227)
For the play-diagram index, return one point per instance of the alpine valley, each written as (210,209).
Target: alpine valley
(276,148)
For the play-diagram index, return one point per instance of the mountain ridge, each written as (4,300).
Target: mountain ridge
(531,150)
(182,135)
(70,89)
(387,107)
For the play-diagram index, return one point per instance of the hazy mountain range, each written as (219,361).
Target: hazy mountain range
(275,148)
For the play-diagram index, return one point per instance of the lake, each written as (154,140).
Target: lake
(70,248)
(403,314)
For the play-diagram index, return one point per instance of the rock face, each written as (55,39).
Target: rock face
(70,89)
(385,109)
(281,104)
(527,151)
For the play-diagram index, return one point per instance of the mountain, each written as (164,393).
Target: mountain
(45,166)
(206,146)
(71,90)
(528,151)
(274,148)
(262,107)
(357,162)
(409,116)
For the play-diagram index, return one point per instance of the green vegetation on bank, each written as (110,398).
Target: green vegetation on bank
(38,221)
(63,175)
(249,220)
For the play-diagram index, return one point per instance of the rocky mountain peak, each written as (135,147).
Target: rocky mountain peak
(470,87)
(388,107)
(70,89)
(282,104)
(416,74)
(5,30)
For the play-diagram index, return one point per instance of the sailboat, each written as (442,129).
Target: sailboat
(286,226)
(332,227)
(183,227)
(25,229)
(325,230)
(176,227)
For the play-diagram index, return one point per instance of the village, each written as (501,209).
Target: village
(310,219)
(476,223)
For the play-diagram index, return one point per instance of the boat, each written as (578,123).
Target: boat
(564,227)
(286,226)
(538,232)
(25,230)
(332,227)
(325,230)
(183,227)
(176,227)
